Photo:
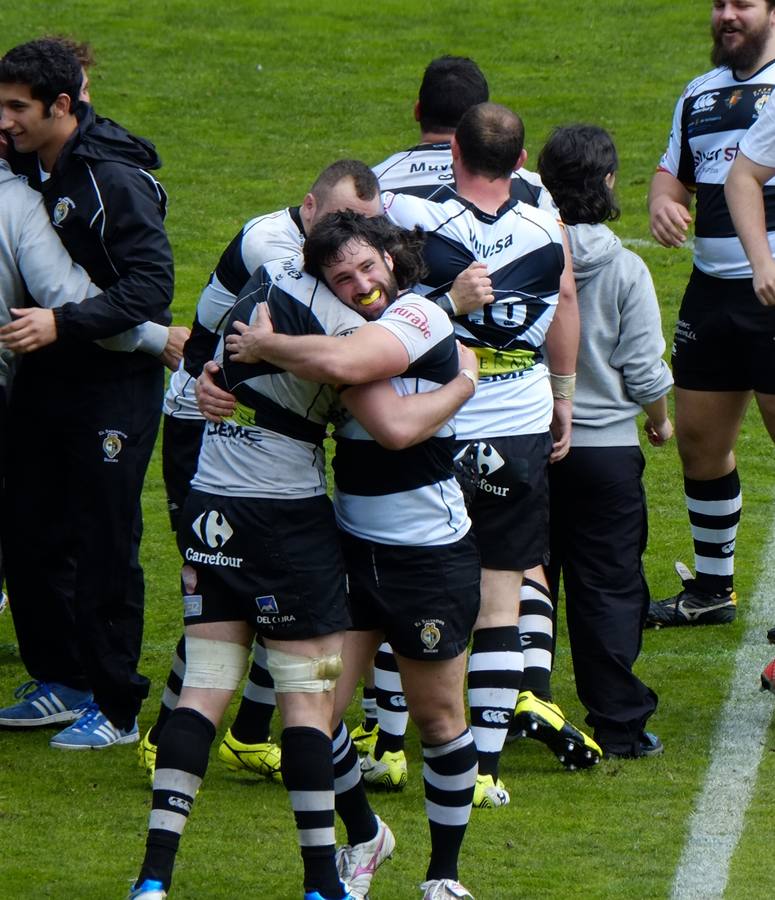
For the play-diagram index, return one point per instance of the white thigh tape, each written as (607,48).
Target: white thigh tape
(214,664)
(304,674)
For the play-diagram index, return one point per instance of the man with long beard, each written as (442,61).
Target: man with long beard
(722,350)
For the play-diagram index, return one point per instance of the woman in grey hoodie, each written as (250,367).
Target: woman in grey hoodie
(598,511)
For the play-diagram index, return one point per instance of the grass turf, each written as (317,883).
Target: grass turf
(246,102)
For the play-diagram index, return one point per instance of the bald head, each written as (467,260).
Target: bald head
(490,139)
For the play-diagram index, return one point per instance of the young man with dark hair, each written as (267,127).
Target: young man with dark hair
(74,572)
(722,348)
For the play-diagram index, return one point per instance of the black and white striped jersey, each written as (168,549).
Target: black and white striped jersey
(421,169)
(408,497)
(710,118)
(272,446)
(270,236)
(522,247)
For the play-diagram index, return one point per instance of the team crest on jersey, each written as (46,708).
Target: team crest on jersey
(61,210)
(112,443)
(430,634)
(760,103)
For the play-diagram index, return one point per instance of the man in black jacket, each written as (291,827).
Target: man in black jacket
(82,421)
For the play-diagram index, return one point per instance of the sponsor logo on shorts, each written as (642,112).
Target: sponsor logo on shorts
(684,333)
(267,604)
(276,620)
(430,634)
(213,559)
(112,443)
(496,716)
(192,605)
(488,459)
(498,489)
(212,528)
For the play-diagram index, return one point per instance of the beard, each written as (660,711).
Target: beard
(746,55)
(389,287)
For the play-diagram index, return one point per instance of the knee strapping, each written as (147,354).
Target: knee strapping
(294,673)
(214,664)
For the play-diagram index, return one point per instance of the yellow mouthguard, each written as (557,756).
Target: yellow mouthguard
(372,298)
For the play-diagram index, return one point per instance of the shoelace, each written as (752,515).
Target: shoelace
(87,717)
(30,690)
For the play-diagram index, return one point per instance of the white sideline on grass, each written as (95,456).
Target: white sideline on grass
(718,818)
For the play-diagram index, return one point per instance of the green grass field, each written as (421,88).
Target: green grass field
(246,102)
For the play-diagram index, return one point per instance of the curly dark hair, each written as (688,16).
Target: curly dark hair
(324,243)
(573,166)
(47,67)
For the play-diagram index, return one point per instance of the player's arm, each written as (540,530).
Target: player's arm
(370,353)
(53,279)
(669,203)
(743,191)
(397,422)
(140,252)
(562,345)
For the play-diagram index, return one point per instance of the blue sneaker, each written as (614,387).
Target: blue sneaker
(316,895)
(148,890)
(44,703)
(93,731)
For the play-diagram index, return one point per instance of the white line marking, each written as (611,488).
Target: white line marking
(717,822)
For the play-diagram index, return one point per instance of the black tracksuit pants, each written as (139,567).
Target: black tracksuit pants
(598,535)
(77,456)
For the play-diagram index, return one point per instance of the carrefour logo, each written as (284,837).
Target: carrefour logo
(212,528)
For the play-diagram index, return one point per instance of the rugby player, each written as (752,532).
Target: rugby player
(754,166)
(507,425)
(450,86)
(259,493)
(412,564)
(345,184)
(722,347)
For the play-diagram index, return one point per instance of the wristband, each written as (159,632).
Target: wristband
(447,304)
(563,386)
(467,373)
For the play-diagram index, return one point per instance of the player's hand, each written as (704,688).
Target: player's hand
(670,221)
(173,350)
(472,289)
(214,403)
(31,329)
(467,359)
(245,347)
(561,429)
(658,434)
(764,282)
